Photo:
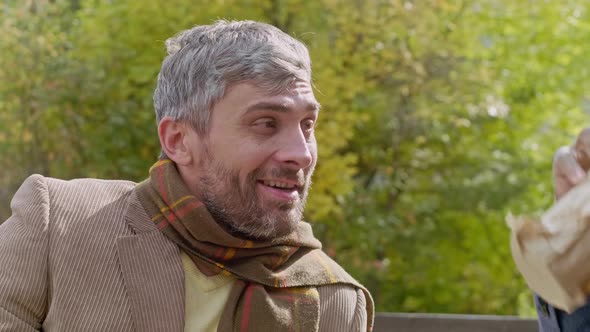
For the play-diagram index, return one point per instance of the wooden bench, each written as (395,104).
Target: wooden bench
(403,322)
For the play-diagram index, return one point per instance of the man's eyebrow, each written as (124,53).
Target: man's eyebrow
(278,107)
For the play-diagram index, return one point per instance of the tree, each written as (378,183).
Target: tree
(438,118)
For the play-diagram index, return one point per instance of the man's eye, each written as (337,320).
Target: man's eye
(265,123)
(308,125)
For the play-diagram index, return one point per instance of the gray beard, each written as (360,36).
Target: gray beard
(239,211)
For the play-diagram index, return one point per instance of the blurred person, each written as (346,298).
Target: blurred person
(213,239)
(552,253)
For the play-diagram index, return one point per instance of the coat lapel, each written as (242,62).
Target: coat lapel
(153,274)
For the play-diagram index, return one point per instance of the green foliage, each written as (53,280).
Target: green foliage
(35,73)
(438,118)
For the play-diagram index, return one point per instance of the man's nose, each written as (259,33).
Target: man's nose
(295,150)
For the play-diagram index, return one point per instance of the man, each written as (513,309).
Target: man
(552,253)
(213,239)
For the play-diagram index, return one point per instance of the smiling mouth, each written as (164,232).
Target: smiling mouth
(288,189)
(279,185)
(281,192)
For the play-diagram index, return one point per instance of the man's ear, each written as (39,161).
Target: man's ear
(175,139)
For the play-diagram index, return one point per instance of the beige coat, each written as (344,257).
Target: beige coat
(82,255)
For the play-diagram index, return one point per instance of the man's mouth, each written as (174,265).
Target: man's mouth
(281,189)
(279,184)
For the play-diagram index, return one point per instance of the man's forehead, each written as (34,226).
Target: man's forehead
(295,88)
(282,106)
(301,85)
(299,95)
(300,99)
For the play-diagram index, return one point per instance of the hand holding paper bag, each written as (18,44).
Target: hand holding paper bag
(553,252)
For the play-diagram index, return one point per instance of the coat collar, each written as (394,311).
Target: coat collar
(152,272)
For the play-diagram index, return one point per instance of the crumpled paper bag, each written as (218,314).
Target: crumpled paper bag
(553,252)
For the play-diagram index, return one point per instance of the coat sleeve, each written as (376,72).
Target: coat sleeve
(23,258)
(342,308)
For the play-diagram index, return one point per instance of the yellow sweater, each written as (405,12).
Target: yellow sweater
(205,297)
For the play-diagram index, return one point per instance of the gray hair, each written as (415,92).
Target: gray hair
(203,62)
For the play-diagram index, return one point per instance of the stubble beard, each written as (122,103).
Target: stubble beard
(239,208)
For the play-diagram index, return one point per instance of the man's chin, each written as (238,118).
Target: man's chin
(276,226)
(285,229)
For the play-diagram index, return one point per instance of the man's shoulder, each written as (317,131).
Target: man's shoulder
(344,302)
(343,307)
(81,185)
(83,196)
(342,293)
(83,181)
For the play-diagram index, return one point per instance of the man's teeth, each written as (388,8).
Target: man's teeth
(278,184)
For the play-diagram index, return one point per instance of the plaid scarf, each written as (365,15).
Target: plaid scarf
(277,279)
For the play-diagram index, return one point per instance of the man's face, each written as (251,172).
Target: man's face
(255,165)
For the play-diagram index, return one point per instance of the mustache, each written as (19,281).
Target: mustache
(282,173)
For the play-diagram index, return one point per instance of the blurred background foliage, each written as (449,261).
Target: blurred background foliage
(439,118)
